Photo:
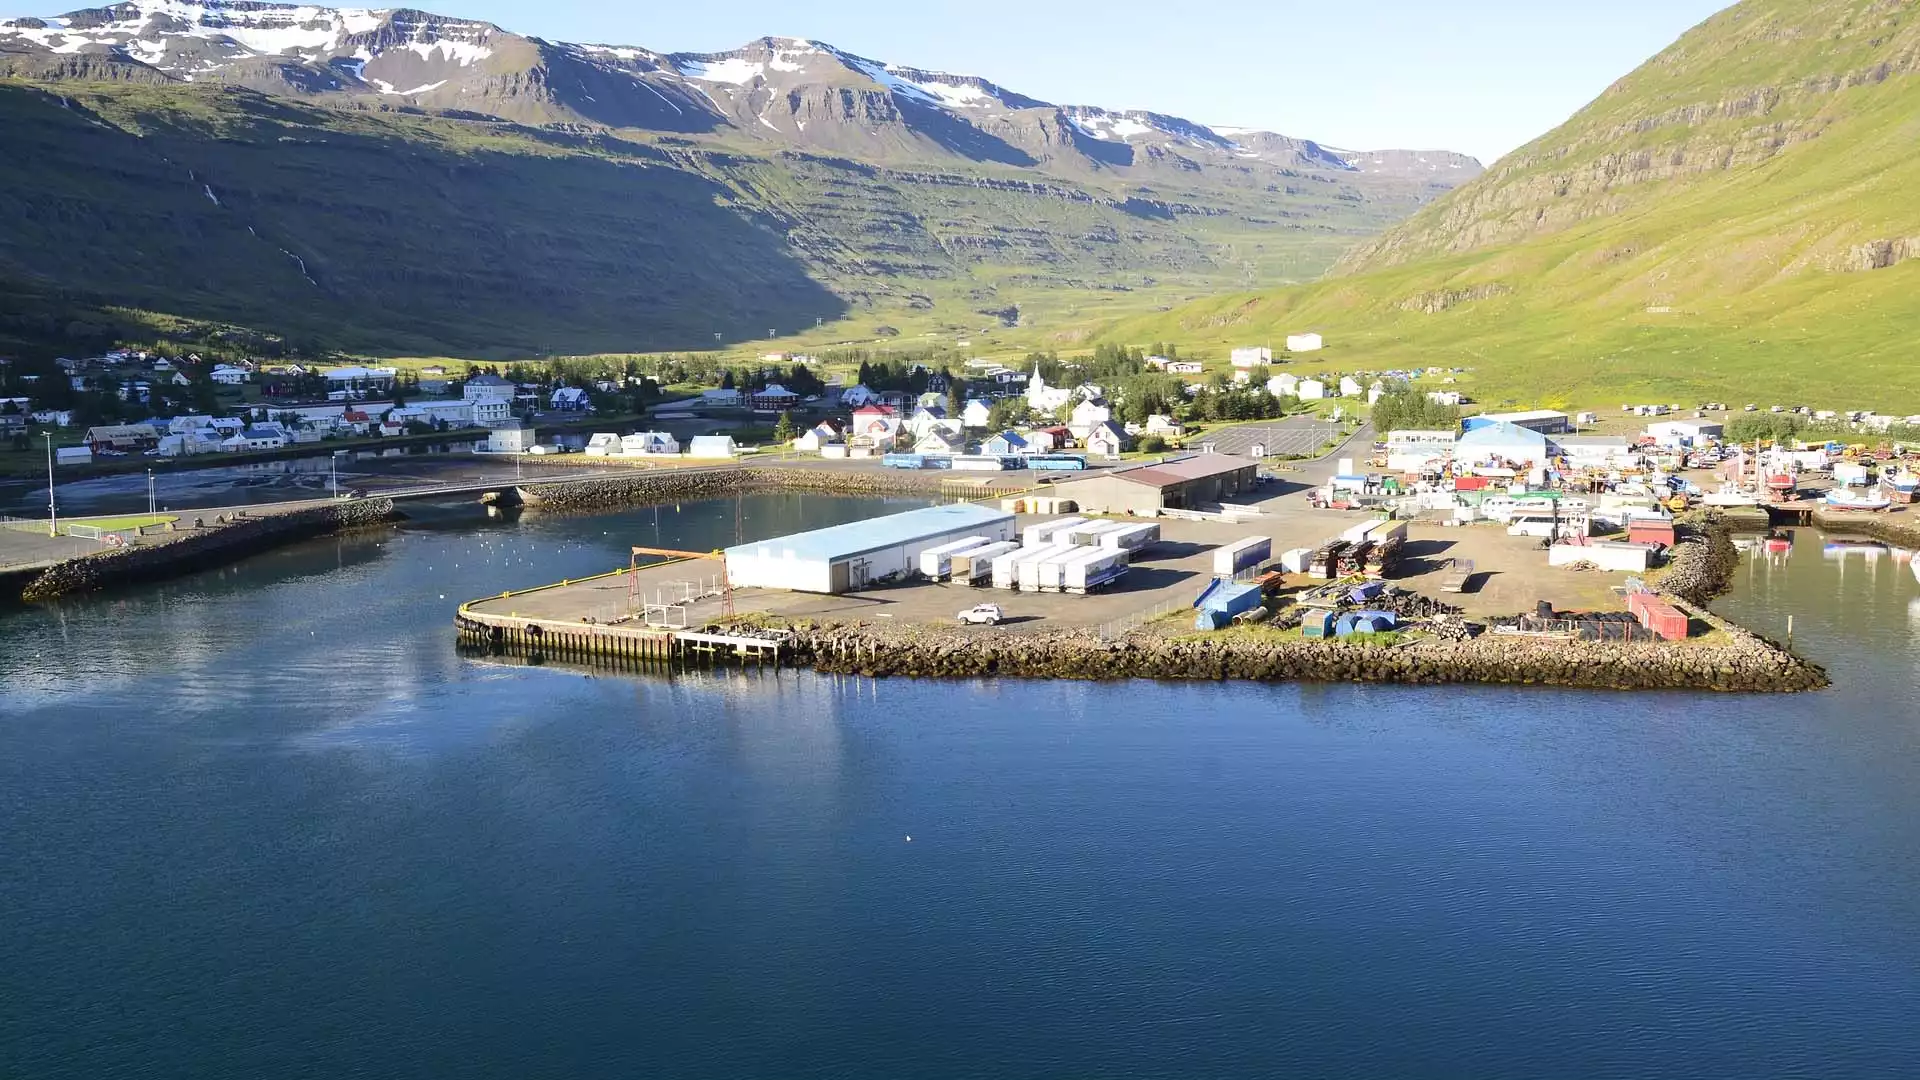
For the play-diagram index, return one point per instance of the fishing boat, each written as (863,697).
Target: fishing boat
(1901,486)
(1782,487)
(1849,498)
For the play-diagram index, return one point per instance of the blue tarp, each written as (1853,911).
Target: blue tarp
(1367,592)
(1365,622)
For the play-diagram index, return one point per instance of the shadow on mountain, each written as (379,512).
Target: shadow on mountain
(955,134)
(335,233)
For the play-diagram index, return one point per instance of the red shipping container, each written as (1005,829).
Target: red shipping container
(1651,532)
(1470,483)
(1663,619)
(1636,605)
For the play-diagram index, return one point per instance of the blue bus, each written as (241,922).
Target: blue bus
(1056,462)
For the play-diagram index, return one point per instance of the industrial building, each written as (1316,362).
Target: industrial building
(848,557)
(1178,484)
(1502,442)
(1544,421)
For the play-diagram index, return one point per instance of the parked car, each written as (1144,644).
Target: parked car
(982,615)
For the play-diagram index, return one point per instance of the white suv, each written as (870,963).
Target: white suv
(982,615)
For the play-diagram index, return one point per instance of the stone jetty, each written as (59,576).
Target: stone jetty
(1744,663)
(204,547)
(645,488)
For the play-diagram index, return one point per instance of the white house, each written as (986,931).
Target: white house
(819,435)
(1310,390)
(487,387)
(774,398)
(228,375)
(1162,424)
(1305,343)
(975,414)
(723,398)
(712,446)
(510,440)
(54,417)
(188,443)
(569,399)
(938,441)
(486,412)
(1283,386)
(1184,367)
(925,420)
(1350,386)
(263,437)
(643,443)
(876,432)
(1107,440)
(1445,397)
(180,425)
(1251,356)
(855,396)
(1088,415)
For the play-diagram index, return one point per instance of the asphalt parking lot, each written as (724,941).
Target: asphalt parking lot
(1293,436)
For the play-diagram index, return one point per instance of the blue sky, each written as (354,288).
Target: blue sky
(1480,76)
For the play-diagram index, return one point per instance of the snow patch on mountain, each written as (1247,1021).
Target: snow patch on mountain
(732,69)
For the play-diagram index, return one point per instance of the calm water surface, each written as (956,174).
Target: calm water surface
(265,822)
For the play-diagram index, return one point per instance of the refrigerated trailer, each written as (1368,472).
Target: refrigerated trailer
(1095,568)
(1006,568)
(1042,533)
(934,561)
(976,567)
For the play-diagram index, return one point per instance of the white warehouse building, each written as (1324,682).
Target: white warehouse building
(849,557)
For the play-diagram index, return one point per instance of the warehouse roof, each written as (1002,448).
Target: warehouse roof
(1178,470)
(1522,417)
(875,534)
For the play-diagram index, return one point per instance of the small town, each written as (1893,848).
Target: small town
(585,541)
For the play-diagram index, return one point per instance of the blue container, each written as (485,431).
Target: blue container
(1369,591)
(1317,624)
(1222,600)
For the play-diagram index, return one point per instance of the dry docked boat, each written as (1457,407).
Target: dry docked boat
(1847,498)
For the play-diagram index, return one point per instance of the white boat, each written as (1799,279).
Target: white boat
(1731,495)
(1844,498)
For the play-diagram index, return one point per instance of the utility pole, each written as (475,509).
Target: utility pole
(53,513)
(151,509)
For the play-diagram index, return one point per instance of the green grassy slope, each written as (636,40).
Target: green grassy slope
(402,233)
(1736,219)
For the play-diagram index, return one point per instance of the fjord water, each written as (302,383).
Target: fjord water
(266,822)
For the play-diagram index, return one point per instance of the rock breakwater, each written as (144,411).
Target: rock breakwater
(645,488)
(203,548)
(1745,663)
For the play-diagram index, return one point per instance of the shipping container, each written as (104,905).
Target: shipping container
(934,561)
(1241,555)
(976,567)
(1611,556)
(1649,531)
(1006,568)
(1663,619)
(1317,623)
(1043,575)
(1042,533)
(1095,568)
(1296,561)
(1131,537)
(1356,533)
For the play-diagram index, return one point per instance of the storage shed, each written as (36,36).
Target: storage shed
(1501,441)
(1176,484)
(857,554)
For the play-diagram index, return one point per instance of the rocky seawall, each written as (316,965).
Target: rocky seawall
(1701,566)
(1745,663)
(203,548)
(645,488)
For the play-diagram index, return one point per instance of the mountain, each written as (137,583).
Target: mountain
(395,180)
(1733,218)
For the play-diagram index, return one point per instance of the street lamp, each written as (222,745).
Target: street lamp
(151,509)
(53,513)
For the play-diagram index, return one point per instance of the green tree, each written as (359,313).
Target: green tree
(783,429)
(1007,413)
(956,397)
